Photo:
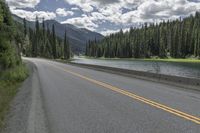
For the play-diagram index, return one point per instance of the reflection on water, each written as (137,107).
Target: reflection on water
(168,68)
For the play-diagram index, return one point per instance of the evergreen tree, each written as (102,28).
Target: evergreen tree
(36,39)
(25,27)
(54,42)
(179,39)
(66,47)
(9,53)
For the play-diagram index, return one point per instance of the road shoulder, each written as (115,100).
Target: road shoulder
(27,112)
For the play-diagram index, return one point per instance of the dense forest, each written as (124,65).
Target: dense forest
(43,42)
(16,38)
(9,49)
(178,39)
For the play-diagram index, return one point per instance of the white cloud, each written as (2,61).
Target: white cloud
(17,5)
(85,5)
(97,17)
(117,12)
(130,12)
(87,8)
(137,10)
(165,9)
(149,11)
(32,15)
(82,22)
(75,9)
(22,3)
(63,13)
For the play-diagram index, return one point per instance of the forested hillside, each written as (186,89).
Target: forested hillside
(177,39)
(77,36)
(9,52)
(42,41)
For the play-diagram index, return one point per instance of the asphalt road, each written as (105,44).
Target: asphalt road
(80,100)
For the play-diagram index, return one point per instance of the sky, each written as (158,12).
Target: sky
(104,16)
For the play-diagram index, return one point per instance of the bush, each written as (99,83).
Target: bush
(17,74)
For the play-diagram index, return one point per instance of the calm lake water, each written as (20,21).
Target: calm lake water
(168,68)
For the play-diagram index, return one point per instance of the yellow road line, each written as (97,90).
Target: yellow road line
(136,97)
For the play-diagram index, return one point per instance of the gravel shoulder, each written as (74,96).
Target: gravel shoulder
(27,114)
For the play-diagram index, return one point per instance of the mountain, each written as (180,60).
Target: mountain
(77,36)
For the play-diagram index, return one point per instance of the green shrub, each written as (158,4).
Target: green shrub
(19,73)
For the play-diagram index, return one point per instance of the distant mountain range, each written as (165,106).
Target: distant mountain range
(77,36)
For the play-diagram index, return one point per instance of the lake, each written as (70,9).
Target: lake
(169,68)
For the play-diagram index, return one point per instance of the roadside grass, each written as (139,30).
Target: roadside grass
(10,81)
(186,60)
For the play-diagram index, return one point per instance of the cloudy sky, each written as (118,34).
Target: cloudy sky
(104,16)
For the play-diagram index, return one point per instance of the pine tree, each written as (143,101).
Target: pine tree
(36,38)
(1,14)
(162,43)
(9,53)
(25,27)
(179,38)
(66,45)
(43,39)
(54,42)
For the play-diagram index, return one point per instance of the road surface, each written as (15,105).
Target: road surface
(80,100)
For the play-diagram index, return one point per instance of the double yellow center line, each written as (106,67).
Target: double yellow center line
(136,97)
